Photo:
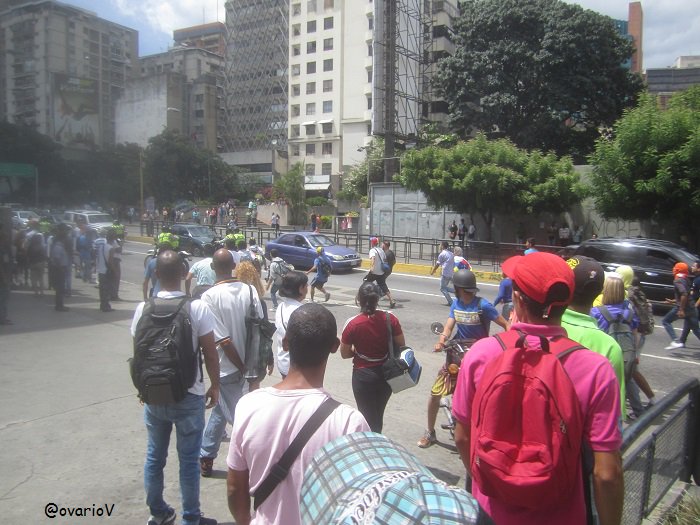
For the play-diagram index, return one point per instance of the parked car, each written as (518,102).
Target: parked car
(95,220)
(20,218)
(193,237)
(299,249)
(651,259)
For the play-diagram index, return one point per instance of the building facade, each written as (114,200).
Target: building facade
(62,69)
(664,82)
(211,37)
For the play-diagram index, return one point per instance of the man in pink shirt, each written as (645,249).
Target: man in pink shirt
(268,419)
(543,285)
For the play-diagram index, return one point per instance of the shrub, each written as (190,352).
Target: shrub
(316,201)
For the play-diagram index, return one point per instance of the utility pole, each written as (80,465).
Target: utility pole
(143,208)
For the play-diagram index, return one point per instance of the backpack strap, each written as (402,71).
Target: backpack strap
(279,470)
(554,345)
(483,320)
(606,314)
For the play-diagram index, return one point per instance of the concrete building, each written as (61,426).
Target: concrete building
(211,37)
(664,82)
(182,90)
(635,29)
(62,70)
(444,13)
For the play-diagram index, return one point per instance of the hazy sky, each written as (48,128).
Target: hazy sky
(671,27)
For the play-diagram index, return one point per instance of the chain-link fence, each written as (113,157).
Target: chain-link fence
(660,448)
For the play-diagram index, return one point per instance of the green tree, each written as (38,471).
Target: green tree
(291,187)
(543,73)
(491,177)
(372,168)
(176,169)
(649,168)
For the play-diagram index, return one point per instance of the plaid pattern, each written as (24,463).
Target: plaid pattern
(366,478)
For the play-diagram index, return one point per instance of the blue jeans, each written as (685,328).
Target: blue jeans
(273,294)
(445,287)
(188,417)
(230,391)
(667,321)
(690,324)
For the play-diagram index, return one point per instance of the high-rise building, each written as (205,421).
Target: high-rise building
(62,69)
(256,75)
(181,90)
(635,29)
(211,37)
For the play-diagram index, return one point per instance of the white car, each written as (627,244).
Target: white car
(20,218)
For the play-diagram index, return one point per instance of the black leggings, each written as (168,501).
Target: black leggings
(372,393)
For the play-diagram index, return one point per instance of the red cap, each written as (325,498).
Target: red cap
(373,241)
(535,274)
(680,267)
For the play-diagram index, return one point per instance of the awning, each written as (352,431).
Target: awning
(327,121)
(308,123)
(317,186)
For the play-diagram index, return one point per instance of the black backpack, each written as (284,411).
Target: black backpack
(165,362)
(325,265)
(36,252)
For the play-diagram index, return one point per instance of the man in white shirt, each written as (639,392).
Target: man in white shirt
(187,415)
(446,259)
(377,270)
(268,419)
(104,257)
(229,301)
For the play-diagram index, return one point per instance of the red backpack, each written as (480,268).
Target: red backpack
(527,426)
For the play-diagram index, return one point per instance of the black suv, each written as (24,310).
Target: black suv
(194,238)
(651,259)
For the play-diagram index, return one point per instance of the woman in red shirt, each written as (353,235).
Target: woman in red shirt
(365,338)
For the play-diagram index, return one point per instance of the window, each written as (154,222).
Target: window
(295,150)
(296,9)
(311,47)
(296,30)
(369,102)
(311,6)
(296,70)
(328,4)
(311,149)
(328,23)
(199,113)
(328,86)
(370,23)
(311,108)
(310,170)
(328,64)
(310,130)
(326,168)
(327,127)
(327,148)
(310,68)
(327,106)
(296,90)
(296,50)
(327,44)
(311,26)
(369,75)
(295,130)
(369,49)
(310,88)
(296,110)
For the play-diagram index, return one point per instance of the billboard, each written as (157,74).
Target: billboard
(76,111)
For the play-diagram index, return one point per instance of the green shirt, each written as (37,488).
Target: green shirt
(583,329)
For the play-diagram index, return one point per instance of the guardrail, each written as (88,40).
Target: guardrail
(659,448)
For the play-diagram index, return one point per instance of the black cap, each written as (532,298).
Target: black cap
(589,276)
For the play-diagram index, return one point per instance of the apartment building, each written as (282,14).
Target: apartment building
(211,37)
(62,70)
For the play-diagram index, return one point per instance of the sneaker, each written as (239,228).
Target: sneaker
(674,345)
(427,440)
(328,296)
(392,304)
(207,521)
(207,466)
(167,519)
(62,308)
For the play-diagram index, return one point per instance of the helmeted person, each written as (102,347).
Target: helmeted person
(166,236)
(45,225)
(118,229)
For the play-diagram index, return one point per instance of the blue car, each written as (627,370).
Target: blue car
(299,249)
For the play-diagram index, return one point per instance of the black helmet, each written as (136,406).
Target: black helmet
(165,228)
(465,279)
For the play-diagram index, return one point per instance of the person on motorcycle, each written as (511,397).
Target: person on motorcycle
(119,229)
(166,236)
(473,316)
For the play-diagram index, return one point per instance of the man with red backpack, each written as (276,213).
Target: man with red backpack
(531,405)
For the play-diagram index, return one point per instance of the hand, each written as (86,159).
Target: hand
(212,396)
(438,347)
(681,314)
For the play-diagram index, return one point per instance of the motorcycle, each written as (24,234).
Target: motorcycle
(454,352)
(184,256)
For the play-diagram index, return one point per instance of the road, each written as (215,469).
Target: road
(72,430)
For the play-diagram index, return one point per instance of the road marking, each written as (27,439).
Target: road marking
(684,361)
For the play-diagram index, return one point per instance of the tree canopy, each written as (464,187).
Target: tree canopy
(291,187)
(371,168)
(650,165)
(543,73)
(490,177)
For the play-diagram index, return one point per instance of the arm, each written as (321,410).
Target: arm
(399,340)
(188,282)
(346,351)
(681,307)
(238,491)
(211,362)
(462,442)
(445,335)
(500,321)
(145,288)
(231,353)
(608,486)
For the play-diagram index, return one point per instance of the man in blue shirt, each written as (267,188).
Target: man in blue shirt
(322,267)
(473,316)
(505,296)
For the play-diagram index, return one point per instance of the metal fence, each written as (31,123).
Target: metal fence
(661,447)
